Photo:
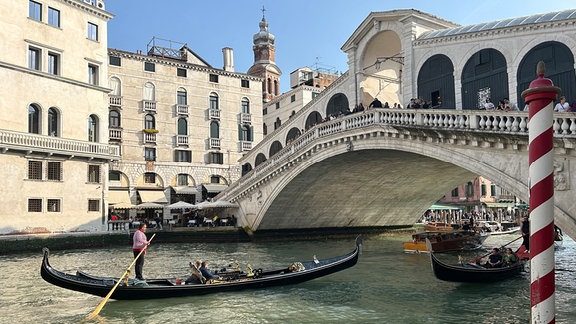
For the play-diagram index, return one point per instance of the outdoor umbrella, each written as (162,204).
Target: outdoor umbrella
(180,205)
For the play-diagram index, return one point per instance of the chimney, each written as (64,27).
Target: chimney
(228,59)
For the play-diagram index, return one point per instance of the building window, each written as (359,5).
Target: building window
(213,78)
(245,106)
(149,92)
(34,58)
(93,74)
(35,10)
(277,123)
(149,154)
(293,98)
(149,122)
(213,101)
(264,129)
(214,179)
(92,31)
(54,171)
(278,105)
(182,156)
(93,173)
(182,126)
(265,111)
(114,118)
(115,60)
(150,67)
(34,170)
(53,17)
(182,180)
(214,130)
(114,176)
(93,205)
(33,119)
(53,63)
(181,72)
(53,205)
(181,97)
(245,84)
(469,189)
(150,178)
(53,118)
(93,128)
(455,192)
(483,190)
(216,158)
(34,205)
(493,190)
(245,133)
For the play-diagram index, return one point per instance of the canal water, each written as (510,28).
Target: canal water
(386,286)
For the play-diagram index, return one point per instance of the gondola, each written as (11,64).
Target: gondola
(130,289)
(473,273)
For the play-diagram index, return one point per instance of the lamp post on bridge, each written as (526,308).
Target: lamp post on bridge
(540,97)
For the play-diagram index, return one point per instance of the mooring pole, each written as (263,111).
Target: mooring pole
(540,97)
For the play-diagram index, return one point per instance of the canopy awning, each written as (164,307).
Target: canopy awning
(155,196)
(180,205)
(185,190)
(499,204)
(214,187)
(118,196)
(149,205)
(445,207)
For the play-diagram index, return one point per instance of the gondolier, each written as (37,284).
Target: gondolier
(140,243)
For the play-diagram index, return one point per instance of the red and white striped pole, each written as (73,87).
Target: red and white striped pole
(540,97)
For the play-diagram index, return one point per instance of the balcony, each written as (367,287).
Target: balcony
(181,140)
(150,136)
(115,101)
(115,134)
(214,143)
(30,143)
(149,105)
(245,118)
(182,110)
(214,113)
(244,146)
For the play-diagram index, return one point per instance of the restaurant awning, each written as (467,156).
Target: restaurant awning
(185,190)
(155,196)
(118,196)
(214,187)
(445,207)
(499,204)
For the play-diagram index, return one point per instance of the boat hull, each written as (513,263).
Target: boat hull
(473,273)
(167,287)
(445,241)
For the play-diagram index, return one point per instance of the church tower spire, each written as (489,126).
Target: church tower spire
(264,65)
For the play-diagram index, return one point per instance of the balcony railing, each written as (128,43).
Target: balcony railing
(56,145)
(214,143)
(115,101)
(149,105)
(245,118)
(214,113)
(182,110)
(244,146)
(115,134)
(149,137)
(182,140)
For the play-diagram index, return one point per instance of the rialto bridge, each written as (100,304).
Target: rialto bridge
(385,167)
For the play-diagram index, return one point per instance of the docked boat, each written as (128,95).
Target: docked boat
(496,228)
(294,273)
(471,272)
(444,241)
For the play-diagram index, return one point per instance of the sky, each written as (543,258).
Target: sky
(309,33)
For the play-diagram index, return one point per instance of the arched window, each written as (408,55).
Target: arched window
(214,101)
(214,130)
(149,122)
(181,98)
(33,119)
(245,106)
(277,123)
(182,126)
(149,91)
(265,129)
(93,128)
(269,90)
(276,88)
(53,119)
(114,118)
(116,86)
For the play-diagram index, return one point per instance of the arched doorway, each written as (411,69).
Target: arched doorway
(484,75)
(292,135)
(275,148)
(338,104)
(436,82)
(260,158)
(313,119)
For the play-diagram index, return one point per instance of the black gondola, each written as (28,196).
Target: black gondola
(168,287)
(474,273)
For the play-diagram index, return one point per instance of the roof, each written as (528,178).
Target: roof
(509,22)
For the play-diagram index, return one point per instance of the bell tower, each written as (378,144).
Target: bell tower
(264,65)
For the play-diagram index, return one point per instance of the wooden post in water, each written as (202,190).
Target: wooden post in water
(540,97)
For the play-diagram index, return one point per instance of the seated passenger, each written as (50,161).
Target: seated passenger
(196,277)
(509,258)
(494,259)
(206,273)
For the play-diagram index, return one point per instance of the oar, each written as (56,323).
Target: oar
(487,254)
(105,300)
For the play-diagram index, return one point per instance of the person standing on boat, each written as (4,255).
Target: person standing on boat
(140,243)
(525,233)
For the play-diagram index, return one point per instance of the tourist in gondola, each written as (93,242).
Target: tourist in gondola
(509,258)
(206,273)
(140,243)
(196,277)
(494,259)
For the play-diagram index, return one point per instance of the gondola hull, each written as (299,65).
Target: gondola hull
(473,273)
(168,287)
